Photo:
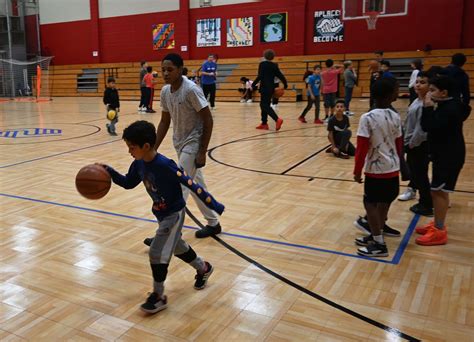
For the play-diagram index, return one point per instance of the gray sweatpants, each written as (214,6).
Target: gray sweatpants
(168,239)
(187,163)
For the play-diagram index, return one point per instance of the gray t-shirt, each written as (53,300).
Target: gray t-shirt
(350,78)
(143,72)
(414,135)
(183,106)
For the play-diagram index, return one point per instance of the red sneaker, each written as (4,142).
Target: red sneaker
(318,122)
(262,126)
(279,122)
(433,237)
(302,119)
(424,229)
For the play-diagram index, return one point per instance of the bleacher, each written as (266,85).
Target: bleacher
(65,78)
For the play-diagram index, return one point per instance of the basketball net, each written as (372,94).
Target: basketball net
(371,19)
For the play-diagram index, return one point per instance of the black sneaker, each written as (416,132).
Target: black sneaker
(208,231)
(148,241)
(421,210)
(363,225)
(154,304)
(201,279)
(388,231)
(364,241)
(374,249)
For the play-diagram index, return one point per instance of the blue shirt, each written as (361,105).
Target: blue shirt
(208,67)
(314,81)
(162,179)
(387,74)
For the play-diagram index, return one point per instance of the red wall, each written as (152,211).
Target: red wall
(121,39)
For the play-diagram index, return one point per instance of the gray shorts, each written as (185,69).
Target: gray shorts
(168,239)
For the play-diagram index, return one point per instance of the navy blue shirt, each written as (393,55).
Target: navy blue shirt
(208,67)
(162,179)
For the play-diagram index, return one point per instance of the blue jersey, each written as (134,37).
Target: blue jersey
(387,74)
(208,67)
(162,179)
(314,81)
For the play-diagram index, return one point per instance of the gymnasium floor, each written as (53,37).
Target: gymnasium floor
(75,269)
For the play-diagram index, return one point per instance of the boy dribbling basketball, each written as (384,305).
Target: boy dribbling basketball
(162,179)
(112,102)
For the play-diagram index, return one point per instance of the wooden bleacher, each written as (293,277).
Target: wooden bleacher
(63,78)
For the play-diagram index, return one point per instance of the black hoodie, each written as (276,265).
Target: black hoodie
(461,81)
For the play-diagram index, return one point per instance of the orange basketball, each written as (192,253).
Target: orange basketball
(93,181)
(374,66)
(278,92)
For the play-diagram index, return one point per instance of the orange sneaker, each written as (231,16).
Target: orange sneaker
(262,126)
(302,119)
(433,237)
(279,122)
(423,229)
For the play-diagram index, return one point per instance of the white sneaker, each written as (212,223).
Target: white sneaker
(408,195)
(242,101)
(249,101)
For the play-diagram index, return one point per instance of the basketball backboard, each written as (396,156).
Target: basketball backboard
(358,9)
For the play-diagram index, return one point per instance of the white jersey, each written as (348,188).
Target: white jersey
(183,106)
(382,127)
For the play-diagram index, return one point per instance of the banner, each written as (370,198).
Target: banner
(163,36)
(208,32)
(274,27)
(240,32)
(328,27)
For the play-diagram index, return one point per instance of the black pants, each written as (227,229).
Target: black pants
(148,100)
(342,141)
(413,94)
(143,95)
(265,101)
(418,161)
(247,94)
(316,103)
(210,90)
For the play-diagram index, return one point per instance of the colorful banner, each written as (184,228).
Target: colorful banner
(328,26)
(240,32)
(274,27)
(208,32)
(163,36)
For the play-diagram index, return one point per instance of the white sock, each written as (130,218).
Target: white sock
(379,239)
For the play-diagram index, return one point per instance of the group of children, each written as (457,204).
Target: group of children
(432,132)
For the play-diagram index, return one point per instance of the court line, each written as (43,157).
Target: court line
(406,238)
(305,160)
(399,251)
(287,281)
(57,154)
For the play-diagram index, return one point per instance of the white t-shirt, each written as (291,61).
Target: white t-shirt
(382,127)
(248,84)
(413,76)
(183,106)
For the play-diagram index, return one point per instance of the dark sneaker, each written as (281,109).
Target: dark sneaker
(154,304)
(364,241)
(201,279)
(148,241)
(342,155)
(388,231)
(374,249)
(363,225)
(208,231)
(421,210)
(113,133)
(329,149)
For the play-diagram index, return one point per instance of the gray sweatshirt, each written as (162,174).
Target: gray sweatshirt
(414,134)
(350,78)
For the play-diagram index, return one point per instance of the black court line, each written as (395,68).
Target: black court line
(210,153)
(287,281)
(306,159)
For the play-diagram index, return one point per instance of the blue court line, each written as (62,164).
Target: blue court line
(396,259)
(57,154)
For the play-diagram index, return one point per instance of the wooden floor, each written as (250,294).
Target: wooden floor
(74,269)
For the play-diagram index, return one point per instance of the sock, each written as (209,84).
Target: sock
(159,288)
(199,265)
(379,239)
(439,224)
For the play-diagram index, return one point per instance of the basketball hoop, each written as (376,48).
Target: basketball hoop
(371,19)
